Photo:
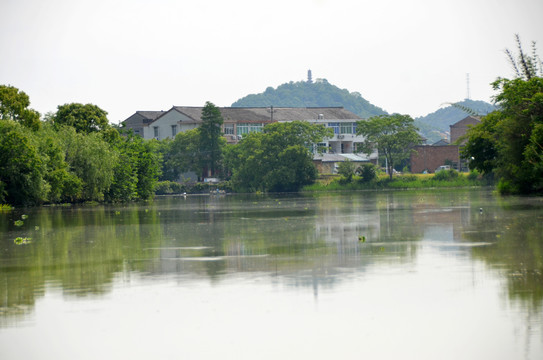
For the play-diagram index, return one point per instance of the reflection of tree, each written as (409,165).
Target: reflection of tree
(301,241)
(514,228)
(79,249)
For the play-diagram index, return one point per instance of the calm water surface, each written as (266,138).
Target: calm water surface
(437,275)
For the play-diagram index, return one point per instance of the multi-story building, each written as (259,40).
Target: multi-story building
(239,121)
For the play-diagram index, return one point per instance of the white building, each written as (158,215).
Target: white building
(239,121)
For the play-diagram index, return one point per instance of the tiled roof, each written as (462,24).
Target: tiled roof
(241,114)
(150,115)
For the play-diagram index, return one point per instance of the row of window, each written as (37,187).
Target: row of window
(242,128)
(245,128)
(343,128)
(156,131)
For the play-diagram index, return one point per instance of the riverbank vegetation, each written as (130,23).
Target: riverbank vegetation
(381,181)
(72,156)
(508,143)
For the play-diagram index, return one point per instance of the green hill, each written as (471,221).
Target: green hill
(435,126)
(311,94)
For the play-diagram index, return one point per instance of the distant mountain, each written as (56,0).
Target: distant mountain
(311,94)
(435,126)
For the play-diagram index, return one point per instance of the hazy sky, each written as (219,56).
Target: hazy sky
(406,56)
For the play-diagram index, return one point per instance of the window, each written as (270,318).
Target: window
(346,128)
(245,128)
(334,126)
(174,130)
(229,129)
(155,129)
(322,147)
(255,128)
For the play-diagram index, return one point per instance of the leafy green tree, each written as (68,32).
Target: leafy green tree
(92,159)
(211,141)
(278,159)
(392,135)
(14,106)
(508,143)
(148,168)
(21,166)
(181,155)
(86,118)
(64,185)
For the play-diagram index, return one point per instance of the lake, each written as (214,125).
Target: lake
(437,274)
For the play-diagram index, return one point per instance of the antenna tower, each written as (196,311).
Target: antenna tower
(467,83)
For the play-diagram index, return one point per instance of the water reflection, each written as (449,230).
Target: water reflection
(300,242)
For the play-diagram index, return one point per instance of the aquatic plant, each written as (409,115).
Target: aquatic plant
(18,222)
(22,240)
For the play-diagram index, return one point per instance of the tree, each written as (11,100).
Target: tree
(277,160)
(92,159)
(14,106)
(508,143)
(86,118)
(392,135)
(211,141)
(181,155)
(21,166)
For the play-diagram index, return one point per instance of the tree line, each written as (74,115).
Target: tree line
(73,155)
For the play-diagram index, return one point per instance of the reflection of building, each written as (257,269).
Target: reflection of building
(429,157)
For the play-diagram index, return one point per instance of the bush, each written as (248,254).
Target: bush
(473,175)
(170,187)
(445,175)
(367,173)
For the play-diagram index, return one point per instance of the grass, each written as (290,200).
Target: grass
(452,179)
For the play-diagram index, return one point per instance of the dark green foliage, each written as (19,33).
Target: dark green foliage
(181,155)
(137,170)
(275,160)
(304,94)
(22,168)
(73,156)
(148,169)
(86,118)
(508,142)
(14,106)
(211,141)
(367,172)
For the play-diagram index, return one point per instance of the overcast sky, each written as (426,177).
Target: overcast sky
(405,56)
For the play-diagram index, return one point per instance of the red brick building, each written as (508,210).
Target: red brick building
(460,128)
(429,157)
